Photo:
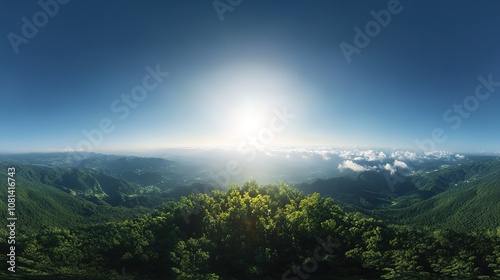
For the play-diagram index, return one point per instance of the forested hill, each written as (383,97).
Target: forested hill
(461,197)
(474,207)
(256,232)
(68,197)
(465,197)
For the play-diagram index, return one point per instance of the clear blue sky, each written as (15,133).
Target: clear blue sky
(225,77)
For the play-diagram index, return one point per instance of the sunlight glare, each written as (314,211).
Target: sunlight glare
(249,119)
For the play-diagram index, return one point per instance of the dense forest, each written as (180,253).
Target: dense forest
(254,232)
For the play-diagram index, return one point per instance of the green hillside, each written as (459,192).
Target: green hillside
(465,197)
(436,223)
(446,177)
(82,181)
(40,204)
(143,172)
(256,232)
(365,190)
(468,208)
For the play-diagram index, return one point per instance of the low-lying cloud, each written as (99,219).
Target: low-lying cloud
(349,164)
(394,167)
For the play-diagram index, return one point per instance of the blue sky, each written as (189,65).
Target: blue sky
(228,78)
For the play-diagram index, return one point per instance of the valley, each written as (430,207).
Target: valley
(167,203)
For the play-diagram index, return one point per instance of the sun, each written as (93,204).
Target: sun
(248,120)
(241,99)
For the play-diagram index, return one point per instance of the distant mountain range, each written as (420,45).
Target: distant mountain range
(459,195)
(65,198)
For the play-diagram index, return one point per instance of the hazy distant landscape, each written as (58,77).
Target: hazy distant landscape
(249,139)
(174,211)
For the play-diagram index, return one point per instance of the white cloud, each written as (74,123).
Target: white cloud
(404,158)
(349,164)
(324,153)
(346,154)
(437,154)
(402,155)
(400,164)
(459,156)
(367,155)
(382,155)
(394,167)
(371,155)
(389,167)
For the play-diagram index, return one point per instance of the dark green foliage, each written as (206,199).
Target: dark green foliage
(73,225)
(368,189)
(462,197)
(442,179)
(43,205)
(471,201)
(473,208)
(257,232)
